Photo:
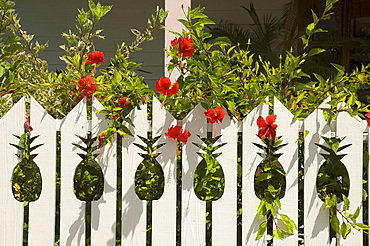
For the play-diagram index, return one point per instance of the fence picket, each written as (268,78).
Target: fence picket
(103,211)
(133,209)
(316,218)
(288,129)
(72,210)
(11,211)
(351,128)
(193,210)
(164,209)
(250,163)
(42,211)
(224,210)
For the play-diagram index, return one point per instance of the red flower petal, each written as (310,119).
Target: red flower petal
(95,57)
(174,89)
(184,137)
(210,114)
(270,119)
(261,122)
(219,114)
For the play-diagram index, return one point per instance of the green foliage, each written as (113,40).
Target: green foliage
(26,179)
(220,74)
(88,180)
(209,179)
(149,177)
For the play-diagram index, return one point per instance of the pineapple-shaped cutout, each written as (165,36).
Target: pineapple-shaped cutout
(149,176)
(88,179)
(26,179)
(270,175)
(333,178)
(209,179)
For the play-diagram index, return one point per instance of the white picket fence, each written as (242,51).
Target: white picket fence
(193,229)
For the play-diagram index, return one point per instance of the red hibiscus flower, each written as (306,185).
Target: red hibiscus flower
(215,116)
(27,125)
(176,132)
(163,86)
(124,103)
(87,86)
(267,128)
(368,118)
(95,57)
(185,46)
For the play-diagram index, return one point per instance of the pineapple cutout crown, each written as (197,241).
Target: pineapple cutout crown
(209,156)
(209,178)
(149,149)
(269,150)
(333,149)
(25,147)
(89,149)
(149,176)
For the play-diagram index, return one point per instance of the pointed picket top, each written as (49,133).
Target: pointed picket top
(11,215)
(288,129)
(133,209)
(103,211)
(250,163)
(72,210)
(224,210)
(193,210)
(351,128)
(42,211)
(316,218)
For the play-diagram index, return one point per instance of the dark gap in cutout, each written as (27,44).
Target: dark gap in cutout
(119,192)
(301,189)
(26,222)
(179,195)
(149,210)
(57,188)
(88,223)
(208,223)
(239,188)
(365,186)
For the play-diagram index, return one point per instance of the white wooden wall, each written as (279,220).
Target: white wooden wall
(193,230)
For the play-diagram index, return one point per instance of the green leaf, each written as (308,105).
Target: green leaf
(362,226)
(346,202)
(345,229)
(261,230)
(222,41)
(315,51)
(334,222)
(279,234)
(329,116)
(288,221)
